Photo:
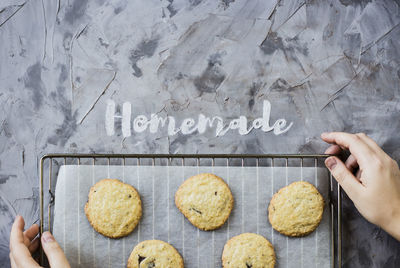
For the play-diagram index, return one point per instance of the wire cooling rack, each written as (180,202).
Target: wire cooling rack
(50,164)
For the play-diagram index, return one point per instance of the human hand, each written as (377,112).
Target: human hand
(375,188)
(23,244)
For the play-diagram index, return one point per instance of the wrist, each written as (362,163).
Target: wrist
(392,226)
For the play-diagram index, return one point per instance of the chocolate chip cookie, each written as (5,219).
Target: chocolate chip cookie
(205,200)
(154,253)
(114,208)
(296,210)
(248,250)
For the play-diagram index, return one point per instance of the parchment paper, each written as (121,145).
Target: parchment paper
(252,188)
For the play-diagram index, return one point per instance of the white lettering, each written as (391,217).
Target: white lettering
(140,123)
(266,116)
(206,121)
(257,123)
(188,125)
(243,126)
(155,121)
(171,126)
(279,125)
(126,119)
(110,111)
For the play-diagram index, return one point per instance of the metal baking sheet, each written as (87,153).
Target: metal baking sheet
(252,188)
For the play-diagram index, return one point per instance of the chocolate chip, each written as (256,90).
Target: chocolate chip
(129,196)
(195,210)
(141,259)
(248,265)
(215,193)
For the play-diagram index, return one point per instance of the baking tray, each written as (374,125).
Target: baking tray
(50,164)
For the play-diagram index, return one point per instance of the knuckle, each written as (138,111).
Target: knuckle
(394,163)
(340,174)
(378,163)
(340,139)
(361,135)
(345,177)
(53,247)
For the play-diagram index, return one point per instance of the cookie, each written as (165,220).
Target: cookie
(205,200)
(296,210)
(154,253)
(114,208)
(248,250)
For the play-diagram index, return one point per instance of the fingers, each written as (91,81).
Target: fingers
(53,251)
(351,163)
(32,232)
(34,245)
(352,142)
(358,176)
(20,253)
(344,177)
(371,143)
(333,149)
(16,235)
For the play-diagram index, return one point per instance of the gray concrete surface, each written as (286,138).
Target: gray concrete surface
(323,65)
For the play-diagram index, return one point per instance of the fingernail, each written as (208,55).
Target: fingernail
(330,163)
(47,237)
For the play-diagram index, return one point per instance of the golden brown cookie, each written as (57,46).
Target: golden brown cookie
(205,200)
(248,250)
(114,208)
(296,210)
(154,253)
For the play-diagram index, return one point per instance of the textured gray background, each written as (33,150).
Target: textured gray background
(325,65)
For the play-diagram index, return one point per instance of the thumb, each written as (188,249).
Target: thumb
(344,177)
(53,251)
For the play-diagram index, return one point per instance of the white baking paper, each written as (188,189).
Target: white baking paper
(252,188)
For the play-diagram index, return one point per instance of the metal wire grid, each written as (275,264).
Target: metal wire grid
(229,160)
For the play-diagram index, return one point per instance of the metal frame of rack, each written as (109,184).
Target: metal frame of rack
(47,187)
